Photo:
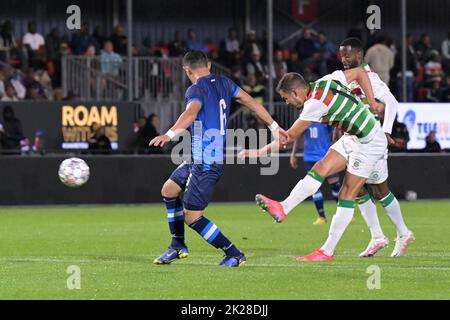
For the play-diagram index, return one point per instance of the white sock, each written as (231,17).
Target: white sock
(392,207)
(340,222)
(369,213)
(302,190)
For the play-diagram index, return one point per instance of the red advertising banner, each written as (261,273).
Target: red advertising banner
(304,10)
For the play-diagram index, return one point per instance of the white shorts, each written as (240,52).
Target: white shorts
(366,160)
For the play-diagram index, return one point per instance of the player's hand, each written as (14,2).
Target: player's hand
(249,153)
(282,136)
(377,106)
(293,161)
(159,141)
(389,139)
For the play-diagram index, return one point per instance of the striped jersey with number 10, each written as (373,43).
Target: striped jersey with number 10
(345,111)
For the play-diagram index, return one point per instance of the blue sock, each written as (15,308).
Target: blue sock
(318,201)
(211,233)
(335,188)
(175,217)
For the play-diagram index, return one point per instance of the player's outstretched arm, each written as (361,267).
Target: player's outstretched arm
(360,75)
(245,99)
(183,122)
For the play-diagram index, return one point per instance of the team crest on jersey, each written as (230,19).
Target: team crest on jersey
(374,175)
(356,164)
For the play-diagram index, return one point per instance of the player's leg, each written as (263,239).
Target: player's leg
(333,162)
(198,194)
(171,193)
(317,198)
(369,212)
(391,205)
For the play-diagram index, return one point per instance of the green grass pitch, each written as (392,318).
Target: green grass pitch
(115,245)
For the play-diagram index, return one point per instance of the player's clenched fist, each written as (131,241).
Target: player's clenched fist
(282,136)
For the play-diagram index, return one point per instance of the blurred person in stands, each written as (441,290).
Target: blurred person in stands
(434,94)
(255,89)
(34,89)
(380,58)
(433,68)
(35,45)
(445,47)
(11,132)
(326,51)
(147,133)
(193,43)
(278,63)
(58,95)
(294,64)
(250,45)
(119,40)
(424,48)
(110,61)
(230,48)
(7,75)
(400,135)
(81,40)
(53,43)
(236,75)
(35,93)
(90,51)
(446,90)
(99,143)
(411,70)
(306,48)
(99,37)
(7,41)
(256,66)
(10,93)
(177,48)
(431,144)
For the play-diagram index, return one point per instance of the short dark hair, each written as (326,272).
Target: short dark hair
(353,43)
(291,81)
(195,59)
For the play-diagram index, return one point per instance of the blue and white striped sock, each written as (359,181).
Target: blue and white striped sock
(211,233)
(318,202)
(175,217)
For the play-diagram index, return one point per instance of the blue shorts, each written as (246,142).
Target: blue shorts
(198,182)
(309,164)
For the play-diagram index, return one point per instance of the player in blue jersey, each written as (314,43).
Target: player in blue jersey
(317,141)
(208,102)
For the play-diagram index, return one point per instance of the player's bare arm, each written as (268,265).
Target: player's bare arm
(183,122)
(293,158)
(245,99)
(360,75)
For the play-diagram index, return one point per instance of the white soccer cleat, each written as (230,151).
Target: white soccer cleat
(374,246)
(402,243)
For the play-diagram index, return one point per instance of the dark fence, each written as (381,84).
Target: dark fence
(138,179)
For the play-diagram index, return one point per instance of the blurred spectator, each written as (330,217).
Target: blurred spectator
(58,95)
(446,54)
(306,48)
(435,92)
(400,135)
(411,71)
(90,51)
(11,132)
(99,37)
(99,143)
(380,58)
(254,88)
(423,48)
(177,47)
(431,144)
(119,40)
(230,48)
(250,45)
(53,42)
(236,75)
(256,67)
(110,60)
(433,68)
(294,64)
(35,44)
(34,89)
(6,75)
(445,96)
(10,93)
(7,40)
(147,132)
(193,43)
(279,65)
(326,51)
(81,40)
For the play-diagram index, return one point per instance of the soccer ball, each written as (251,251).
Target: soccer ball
(73,172)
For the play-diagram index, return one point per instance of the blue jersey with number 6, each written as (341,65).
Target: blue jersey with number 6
(214,93)
(317,141)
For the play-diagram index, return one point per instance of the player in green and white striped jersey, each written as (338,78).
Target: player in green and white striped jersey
(351,52)
(328,100)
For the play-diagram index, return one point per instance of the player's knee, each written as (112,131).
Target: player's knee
(191,216)
(167,191)
(362,192)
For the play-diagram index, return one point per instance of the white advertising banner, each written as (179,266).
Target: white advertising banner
(421,118)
